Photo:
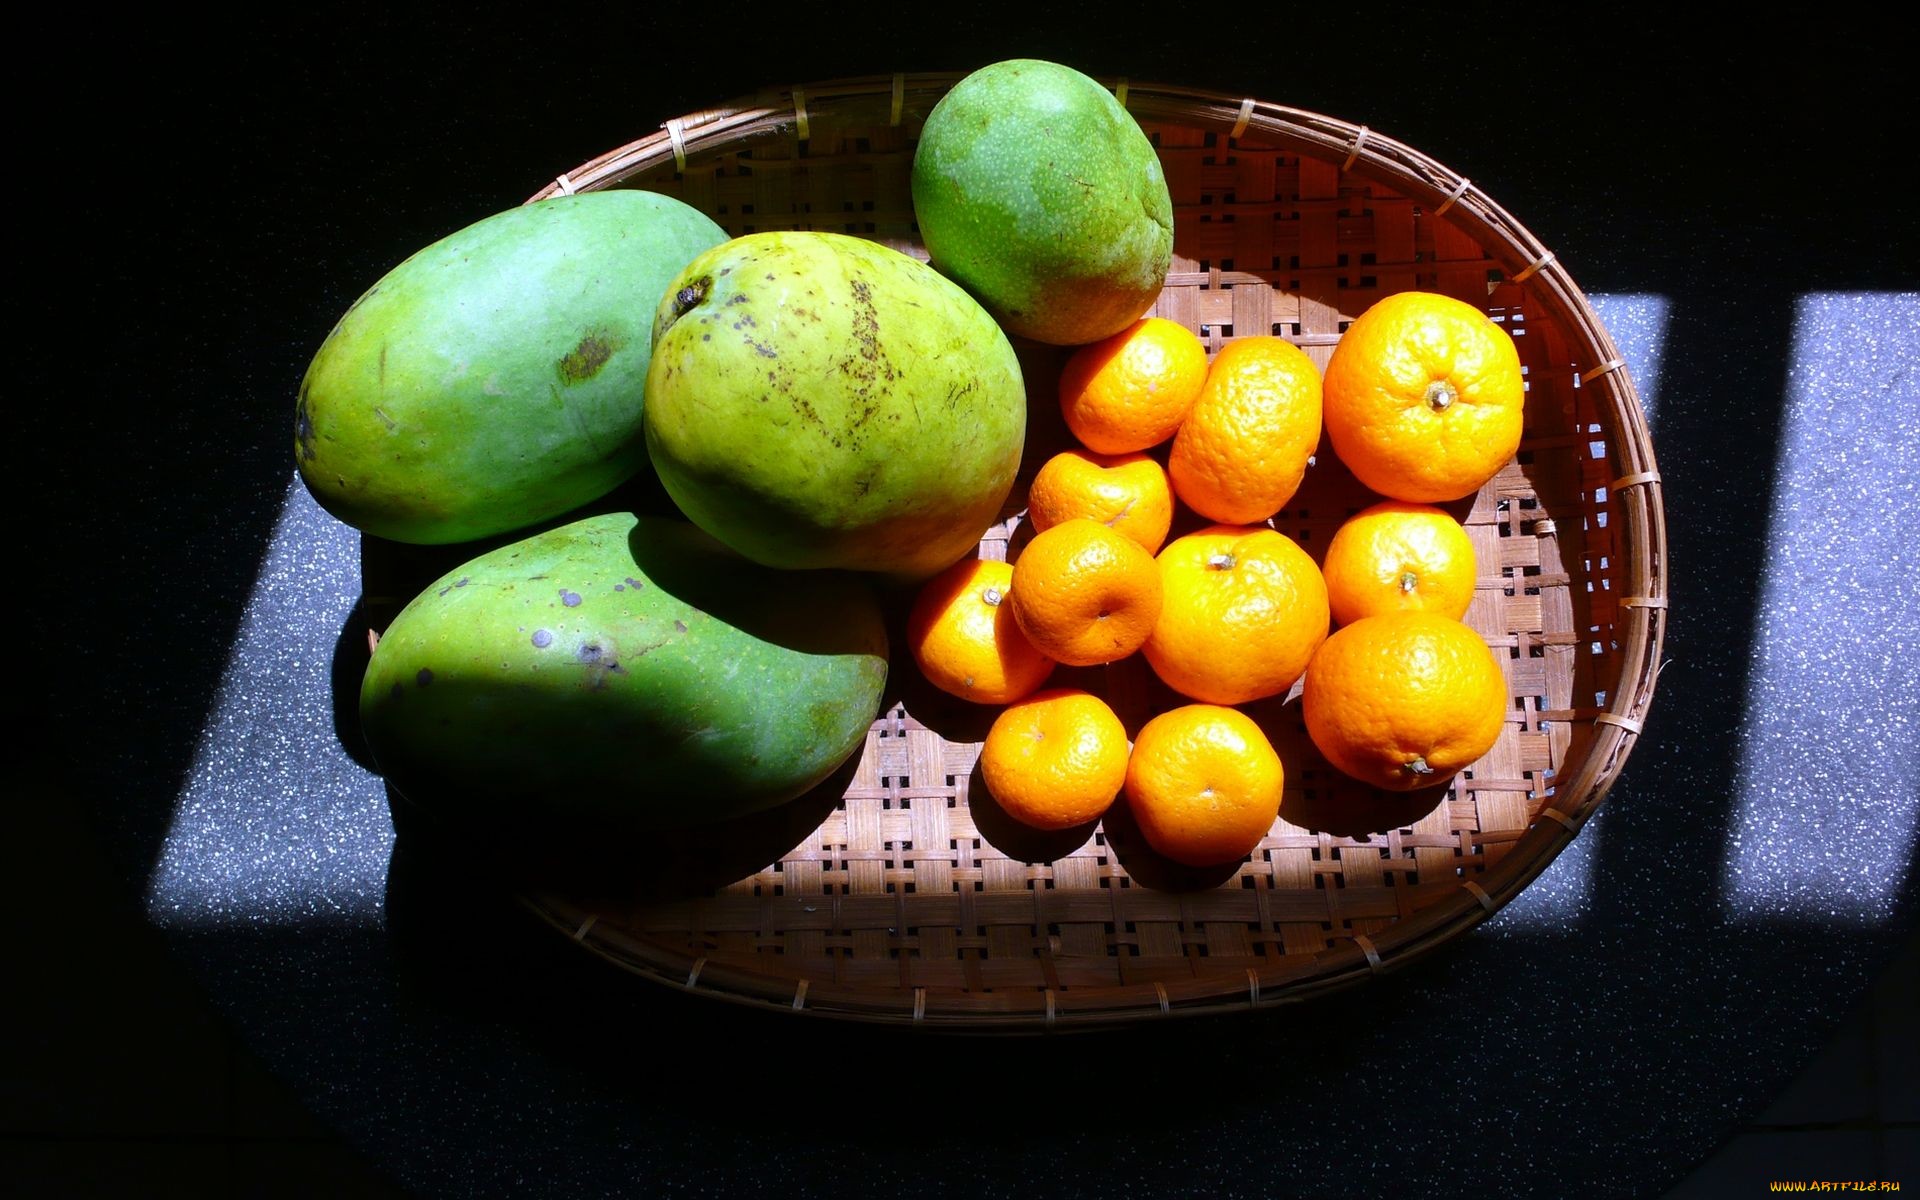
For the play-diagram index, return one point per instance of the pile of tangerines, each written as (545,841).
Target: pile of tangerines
(1421,400)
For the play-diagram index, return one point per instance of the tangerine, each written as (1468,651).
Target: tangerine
(1423,397)
(1203,783)
(1084,594)
(964,637)
(1242,451)
(1244,608)
(1131,390)
(1404,700)
(1395,557)
(1125,492)
(1055,759)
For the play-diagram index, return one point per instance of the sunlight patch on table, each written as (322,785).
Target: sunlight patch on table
(1829,746)
(277,825)
(1638,323)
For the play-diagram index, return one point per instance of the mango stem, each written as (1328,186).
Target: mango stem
(691,295)
(685,301)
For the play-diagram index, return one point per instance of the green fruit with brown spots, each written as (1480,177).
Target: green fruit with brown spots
(496,378)
(819,400)
(618,675)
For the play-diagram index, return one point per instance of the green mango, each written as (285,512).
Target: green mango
(1043,197)
(497,377)
(620,675)
(819,400)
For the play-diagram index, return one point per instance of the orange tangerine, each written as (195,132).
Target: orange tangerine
(1084,594)
(1056,759)
(1244,608)
(1242,451)
(1398,557)
(1404,700)
(1128,493)
(1203,783)
(1131,391)
(1423,397)
(964,637)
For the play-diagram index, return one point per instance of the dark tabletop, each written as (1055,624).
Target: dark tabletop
(199,202)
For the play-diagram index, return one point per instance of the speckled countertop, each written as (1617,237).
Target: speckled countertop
(1749,874)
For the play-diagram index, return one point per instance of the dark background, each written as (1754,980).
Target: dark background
(200,200)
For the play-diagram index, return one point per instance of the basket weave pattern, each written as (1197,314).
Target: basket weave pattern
(915,899)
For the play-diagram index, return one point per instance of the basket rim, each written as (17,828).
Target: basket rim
(1636,491)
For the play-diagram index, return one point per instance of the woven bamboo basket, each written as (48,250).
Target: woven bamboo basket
(900,893)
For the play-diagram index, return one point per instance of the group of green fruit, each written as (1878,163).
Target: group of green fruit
(827,413)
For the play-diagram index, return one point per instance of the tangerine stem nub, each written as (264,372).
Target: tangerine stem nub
(1440,394)
(1409,581)
(1419,766)
(1220,562)
(991,597)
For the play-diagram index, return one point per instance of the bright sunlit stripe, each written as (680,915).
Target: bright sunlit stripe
(1563,893)
(276,824)
(1638,323)
(1829,778)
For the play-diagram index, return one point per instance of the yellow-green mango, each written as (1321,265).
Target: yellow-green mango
(619,675)
(819,400)
(496,378)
